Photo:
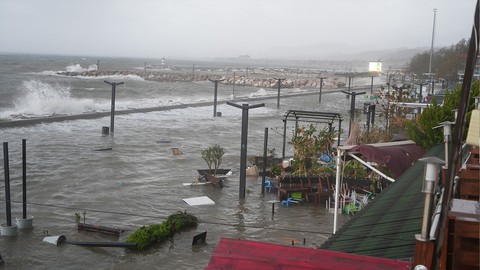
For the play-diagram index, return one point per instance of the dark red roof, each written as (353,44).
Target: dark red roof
(238,254)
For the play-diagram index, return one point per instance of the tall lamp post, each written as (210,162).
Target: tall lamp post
(447,132)
(321,85)
(279,84)
(215,96)
(431,47)
(112,110)
(243,147)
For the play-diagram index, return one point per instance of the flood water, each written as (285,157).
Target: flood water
(139,182)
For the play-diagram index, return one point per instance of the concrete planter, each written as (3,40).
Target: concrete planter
(8,230)
(25,223)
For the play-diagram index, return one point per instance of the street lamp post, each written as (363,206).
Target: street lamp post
(243,147)
(431,176)
(279,84)
(321,85)
(112,110)
(215,96)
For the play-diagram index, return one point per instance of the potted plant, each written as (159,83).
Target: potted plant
(213,157)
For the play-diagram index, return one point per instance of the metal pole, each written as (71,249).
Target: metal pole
(243,151)
(24,178)
(339,132)
(337,187)
(352,113)
(265,149)
(371,86)
(7,184)
(284,137)
(352,108)
(372,109)
(98,64)
(112,110)
(233,90)
(215,99)
(321,85)
(279,86)
(215,96)
(243,147)
(193,72)
(112,115)
(431,47)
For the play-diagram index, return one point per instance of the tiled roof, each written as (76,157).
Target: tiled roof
(386,228)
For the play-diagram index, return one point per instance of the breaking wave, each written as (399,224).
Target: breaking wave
(79,68)
(42,99)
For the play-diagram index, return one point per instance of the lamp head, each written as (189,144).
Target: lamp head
(431,173)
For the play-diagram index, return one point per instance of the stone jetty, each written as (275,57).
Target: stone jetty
(261,79)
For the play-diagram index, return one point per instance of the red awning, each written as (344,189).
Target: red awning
(245,254)
(398,158)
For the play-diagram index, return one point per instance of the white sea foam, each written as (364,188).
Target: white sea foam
(260,93)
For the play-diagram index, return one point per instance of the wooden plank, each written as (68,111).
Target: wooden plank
(99,228)
(467,229)
(470,174)
(101,244)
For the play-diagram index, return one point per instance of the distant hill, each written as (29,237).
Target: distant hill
(339,52)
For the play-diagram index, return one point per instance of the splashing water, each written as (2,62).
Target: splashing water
(79,68)
(42,99)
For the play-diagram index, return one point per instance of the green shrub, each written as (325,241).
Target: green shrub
(148,236)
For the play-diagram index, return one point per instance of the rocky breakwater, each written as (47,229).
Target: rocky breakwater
(264,81)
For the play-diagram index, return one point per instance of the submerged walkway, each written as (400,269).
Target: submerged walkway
(93,115)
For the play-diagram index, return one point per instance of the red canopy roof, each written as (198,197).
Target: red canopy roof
(245,254)
(398,156)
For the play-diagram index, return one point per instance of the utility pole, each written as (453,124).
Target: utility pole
(98,65)
(215,96)
(321,85)
(112,110)
(352,108)
(243,147)
(279,83)
(193,72)
(431,48)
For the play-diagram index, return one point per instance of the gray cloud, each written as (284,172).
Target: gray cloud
(211,28)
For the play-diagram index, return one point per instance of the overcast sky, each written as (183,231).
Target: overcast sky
(221,28)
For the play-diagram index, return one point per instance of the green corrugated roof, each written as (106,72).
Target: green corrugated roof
(386,228)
